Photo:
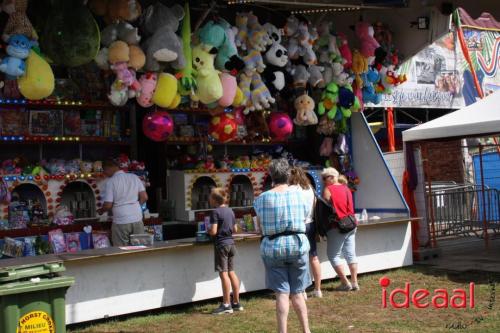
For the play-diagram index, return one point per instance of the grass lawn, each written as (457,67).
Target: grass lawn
(335,312)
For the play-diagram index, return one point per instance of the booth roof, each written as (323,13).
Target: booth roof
(478,119)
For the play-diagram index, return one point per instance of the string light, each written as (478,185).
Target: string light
(239,2)
(325,10)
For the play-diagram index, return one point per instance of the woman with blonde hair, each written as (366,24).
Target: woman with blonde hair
(341,244)
(299,180)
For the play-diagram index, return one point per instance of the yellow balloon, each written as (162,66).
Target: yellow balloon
(38,80)
(166,90)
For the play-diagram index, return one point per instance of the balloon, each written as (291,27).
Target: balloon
(223,127)
(280,125)
(158,126)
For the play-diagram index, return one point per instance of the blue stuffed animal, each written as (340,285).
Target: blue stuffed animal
(18,50)
(369,80)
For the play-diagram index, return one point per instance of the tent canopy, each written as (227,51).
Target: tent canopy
(478,119)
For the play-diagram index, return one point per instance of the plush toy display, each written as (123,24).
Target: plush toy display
(209,86)
(158,126)
(186,75)
(280,125)
(148,85)
(166,90)
(301,38)
(359,66)
(38,81)
(345,51)
(163,45)
(18,22)
(241,37)
(304,105)
(223,128)
(364,32)
(118,94)
(18,50)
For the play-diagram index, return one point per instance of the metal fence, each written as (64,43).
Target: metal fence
(469,206)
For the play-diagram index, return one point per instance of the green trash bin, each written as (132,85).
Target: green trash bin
(32,298)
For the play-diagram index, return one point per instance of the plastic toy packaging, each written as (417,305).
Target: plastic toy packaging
(156,230)
(56,240)
(29,246)
(73,242)
(13,247)
(19,215)
(101,240)
(63,216)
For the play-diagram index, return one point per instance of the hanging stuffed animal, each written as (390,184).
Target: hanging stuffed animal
(369,81)
(186,81)
(275,76)
(329,100)
(221,36)
(345,51)
(304,105)
(18,22)
(368,44)
(18,50)
(38,81)
(116,10)
(209,87)
(241,37)
(301,38)
(163,45)
(119,57)
(148,83)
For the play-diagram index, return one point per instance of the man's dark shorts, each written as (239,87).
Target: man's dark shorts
(311,236)
(224,255)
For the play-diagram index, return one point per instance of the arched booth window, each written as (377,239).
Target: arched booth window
(201,191)
(79,198)
(240,191)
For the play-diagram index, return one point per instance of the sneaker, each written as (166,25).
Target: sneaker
(223,309)
(344,287)
(237,307)
(355,287)
(317,294)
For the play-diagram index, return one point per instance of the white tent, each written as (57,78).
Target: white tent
(478,119)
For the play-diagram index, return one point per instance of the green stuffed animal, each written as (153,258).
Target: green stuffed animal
(187,83)
(209,87)
(329,100)
(221,35)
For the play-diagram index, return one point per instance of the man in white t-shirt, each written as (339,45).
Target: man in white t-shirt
(124,195)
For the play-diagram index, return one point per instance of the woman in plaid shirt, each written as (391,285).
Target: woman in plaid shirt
(281,212)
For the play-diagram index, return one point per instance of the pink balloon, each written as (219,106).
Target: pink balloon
(280,125)
(158,125)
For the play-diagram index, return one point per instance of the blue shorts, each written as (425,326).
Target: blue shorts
(288,276)
(311,236)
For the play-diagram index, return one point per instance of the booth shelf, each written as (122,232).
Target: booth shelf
(63,105)
(76,227)
(82,140)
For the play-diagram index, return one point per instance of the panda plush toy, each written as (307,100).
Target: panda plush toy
(275,76)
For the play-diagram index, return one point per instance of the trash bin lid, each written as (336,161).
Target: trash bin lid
(35,285)
(28,271)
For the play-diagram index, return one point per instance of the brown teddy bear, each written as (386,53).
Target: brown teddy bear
(116,10)
(18,22)
(257,128)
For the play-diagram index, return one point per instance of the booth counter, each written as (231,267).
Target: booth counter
(112,281)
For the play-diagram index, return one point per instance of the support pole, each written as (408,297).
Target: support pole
(432,230)
(483,195)
(391,140)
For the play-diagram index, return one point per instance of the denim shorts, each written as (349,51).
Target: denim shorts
(341,246)
(290,276)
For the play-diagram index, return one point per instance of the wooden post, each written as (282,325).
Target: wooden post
(432,230)
(133,131)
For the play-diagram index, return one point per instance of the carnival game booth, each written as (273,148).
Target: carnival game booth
(208,104)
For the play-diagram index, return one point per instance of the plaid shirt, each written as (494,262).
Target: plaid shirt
(279,212)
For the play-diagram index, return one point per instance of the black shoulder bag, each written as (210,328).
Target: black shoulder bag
(324,215)
(347,223)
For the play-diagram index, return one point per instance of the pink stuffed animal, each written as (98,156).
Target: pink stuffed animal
(126,75)
(369,44)
(148,85)
(345,51)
